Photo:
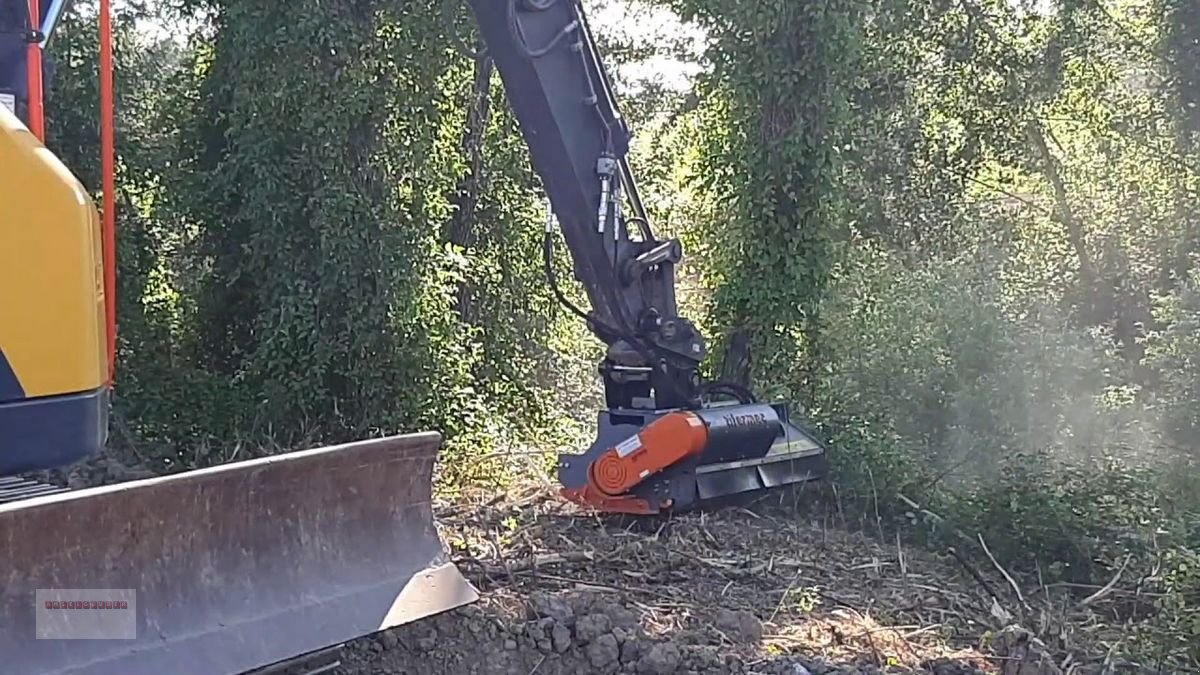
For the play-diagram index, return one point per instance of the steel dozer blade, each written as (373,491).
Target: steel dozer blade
(737,449)
(227,569)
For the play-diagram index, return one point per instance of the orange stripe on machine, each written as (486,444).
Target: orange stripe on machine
(666,441)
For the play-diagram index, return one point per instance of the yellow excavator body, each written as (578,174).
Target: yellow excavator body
(53,364)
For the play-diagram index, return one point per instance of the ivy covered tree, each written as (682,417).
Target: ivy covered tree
(772,109)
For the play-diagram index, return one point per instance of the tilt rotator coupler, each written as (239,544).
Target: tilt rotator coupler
(646,462)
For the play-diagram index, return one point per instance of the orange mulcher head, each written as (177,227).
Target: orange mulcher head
(645,462)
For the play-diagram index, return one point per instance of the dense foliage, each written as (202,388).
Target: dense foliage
(319,242)
(989,293)
(963,235)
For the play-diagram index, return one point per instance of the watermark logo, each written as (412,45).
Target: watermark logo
(86,613)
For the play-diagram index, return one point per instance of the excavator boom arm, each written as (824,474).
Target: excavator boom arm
(659,444)
(578,142)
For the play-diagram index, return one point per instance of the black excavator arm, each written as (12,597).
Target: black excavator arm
(660,445)
(579,144)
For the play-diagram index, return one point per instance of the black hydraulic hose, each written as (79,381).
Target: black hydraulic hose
(742,394)
(514,25)
(602,330)
(518,35)
(548,262)
(643,227)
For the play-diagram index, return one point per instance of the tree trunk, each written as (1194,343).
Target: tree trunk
(461,229)
(735,366)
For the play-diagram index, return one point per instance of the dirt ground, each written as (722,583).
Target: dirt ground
(766,588)
(780,586)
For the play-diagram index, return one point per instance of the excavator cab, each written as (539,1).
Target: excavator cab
(216,571)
